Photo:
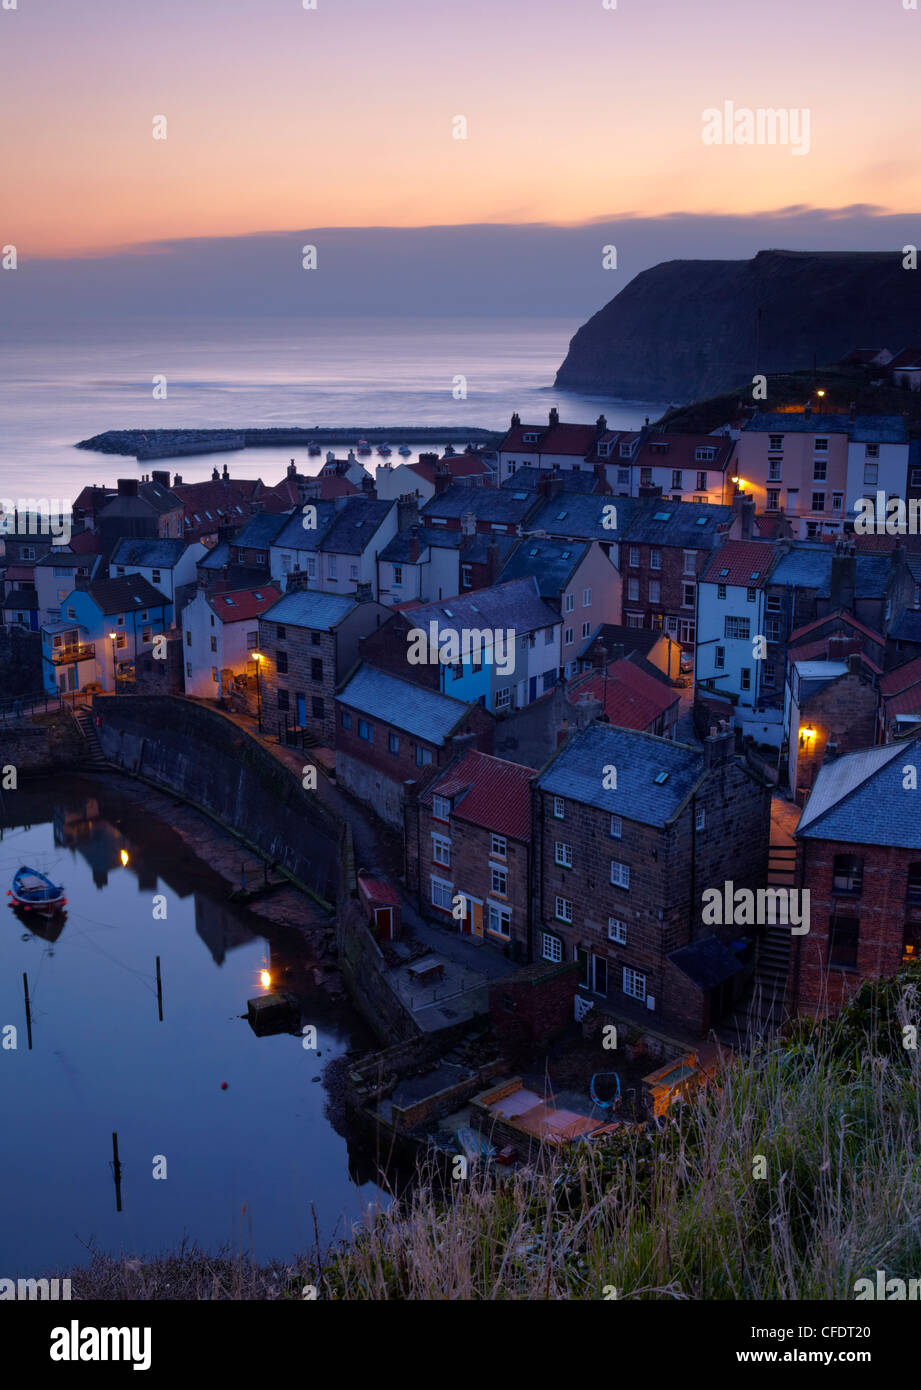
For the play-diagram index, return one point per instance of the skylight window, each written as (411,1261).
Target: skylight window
(661,516)
(532,552)
(229,602)
(255,595)
(566,554)
(702,520)
(723,574)
(660,778)
(521,496)
(561,516)
(755,574)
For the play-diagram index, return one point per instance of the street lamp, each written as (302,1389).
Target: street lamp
(257,657)
(114,637)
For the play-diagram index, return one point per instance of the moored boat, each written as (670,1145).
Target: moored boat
(384,450)
(35,891)
(313,449)
(405,450)
(363,446)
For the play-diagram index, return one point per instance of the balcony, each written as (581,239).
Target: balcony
(79,651)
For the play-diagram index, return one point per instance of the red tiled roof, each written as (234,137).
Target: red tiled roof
(85,543)
(848,618)
(492,793)
(630,698)
(821,650)
(20,572)
(902,678)
(464,465)
(236,605)
(768,526)
(747,564)
(681,450)
(908,357)
(377,890)
(907,702)
(552,439)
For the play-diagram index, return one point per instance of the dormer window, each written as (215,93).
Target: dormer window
(530,438)
(704,454)
(626,450)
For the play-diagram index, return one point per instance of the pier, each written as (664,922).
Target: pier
(145,445)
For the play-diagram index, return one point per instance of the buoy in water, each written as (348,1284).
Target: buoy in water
(223,1085)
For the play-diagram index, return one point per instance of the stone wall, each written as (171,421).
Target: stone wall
(52,742)
(211,762)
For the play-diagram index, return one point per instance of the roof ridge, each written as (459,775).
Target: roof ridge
(835,805)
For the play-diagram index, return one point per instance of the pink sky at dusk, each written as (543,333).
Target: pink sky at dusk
(280,117)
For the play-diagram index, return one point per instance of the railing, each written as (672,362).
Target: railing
(22,706)
(80,652)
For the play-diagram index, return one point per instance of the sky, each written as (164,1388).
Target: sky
(279,117)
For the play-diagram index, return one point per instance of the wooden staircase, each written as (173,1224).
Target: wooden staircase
(762,1008)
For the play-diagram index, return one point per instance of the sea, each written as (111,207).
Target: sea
(63,383)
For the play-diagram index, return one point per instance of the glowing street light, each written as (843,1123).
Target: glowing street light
(265,979)
(123,856)
(257,657)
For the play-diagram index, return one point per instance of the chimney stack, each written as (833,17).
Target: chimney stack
(127,487)
(159,476)
(601,425)
(843,580)
(177,480)
(215,475)
(414,545)
(516,419)
(225,476)
(554,417)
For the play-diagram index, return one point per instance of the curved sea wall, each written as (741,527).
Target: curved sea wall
(213,764)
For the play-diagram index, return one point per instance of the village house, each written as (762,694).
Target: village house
(730,619)
(629,832)
(220,632)
(831,708)
(211,507)
(431,475)
(394,735)
(577,579)
(20,609)
(57,574)
(335,544)
(695,468)
(469,835)
(125,515)
(904,369)
(308,643)
(566,448)
(169,565)
(101,631)
(899,701)
(859,857)
(610,641)
(630,697)
(251,544)
(495,511)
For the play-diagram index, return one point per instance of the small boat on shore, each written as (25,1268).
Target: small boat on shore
(35,892)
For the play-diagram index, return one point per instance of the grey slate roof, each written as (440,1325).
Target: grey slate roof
(808,566)
(217,557)
(859,798)
(872,429)
(294,536)
(493,504)
(551,562)
(527,479)
(261,530)
(632,639)
(396,551)
(153,553)
(707,962)
(412,708)
(581,516)
(907,626)
(474,552)
(310,608)
(691,525)
(515,604)
(577,773)
(126,593)
(354,526)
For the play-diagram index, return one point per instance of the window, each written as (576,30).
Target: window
(441,894)
(586,629)
(586,598)
(316,668)
(677,478)
(736,628)
(705,454)
(843,938)
(871,472)
(147,635)
(773,499)
(819,470)
(551,947)
(655,591)
(119,569)
(620,874)
(690,562)
(775,441)
(770,672)
(750,595)
(345,719)
(283,702)
(499,846)
(563,910)
(634,556)
(847,874)
(548,636)
(568,637)
(745,677)
(721,591)
(773,603)
(504,697)
(441,850)
(569,603)
(398,575)
(617,828)
(702,482)
(121,641)
(154,575)
(916,477)
(500,920)
(353,571)
(562,854)
(634,983)
(872,451)
(623,475)
(331,566)
(617,931)
(27,552)
(655,559)
(424,756)
(821,446)
(818,501)
(772,629)
(188,636)
(645,477)
(280,632)
(393,743)
(599,975)
(365,731)
(466,576)
(559,808)
(441,807)
(689,591)
(188,669)
(633,589)
(774,468)
(837,501)
(120,620)
(252,641)
(281,661)
(719,658)
(498,877)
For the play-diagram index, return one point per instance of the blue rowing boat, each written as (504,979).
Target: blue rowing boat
(35,891)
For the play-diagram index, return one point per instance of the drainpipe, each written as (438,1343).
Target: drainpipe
(794,1000)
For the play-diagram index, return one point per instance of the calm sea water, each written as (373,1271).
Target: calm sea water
(57,387)
(243,1164)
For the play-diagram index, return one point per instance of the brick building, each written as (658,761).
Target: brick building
(469,834)
(308,643)
(832,708)
(859,855)
(629,832)
(393,736)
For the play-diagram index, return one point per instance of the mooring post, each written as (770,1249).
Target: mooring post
(25,986)
(117,1170)
(159,991)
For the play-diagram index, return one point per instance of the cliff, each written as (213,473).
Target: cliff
(686,329)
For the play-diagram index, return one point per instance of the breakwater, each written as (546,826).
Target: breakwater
(151,444)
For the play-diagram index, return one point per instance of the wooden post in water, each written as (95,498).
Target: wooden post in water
(25,986)
(159,991)
(117,1171)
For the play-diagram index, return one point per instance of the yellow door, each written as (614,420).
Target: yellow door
(477,919)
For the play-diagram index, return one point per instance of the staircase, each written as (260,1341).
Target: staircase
(762,1008)
(93,754)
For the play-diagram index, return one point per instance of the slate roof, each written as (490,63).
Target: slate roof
(260,531)
(126,593)
(907,626)
(746,564)
(294,535)
(21,598)
(841,616)
(161,498)
(475,550)
(691,525)
(808,566)
(152,553)
(632,639)
(514,604)
(489,792)
(581,516)
(311,608)
(575,480)
(354,525)
(553,563)
(488,504)
(216,558)
(577,773)
(238,605)
(873,429)
(414,709)
(859,798)
(707,962)
(61,559)
(397,549)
